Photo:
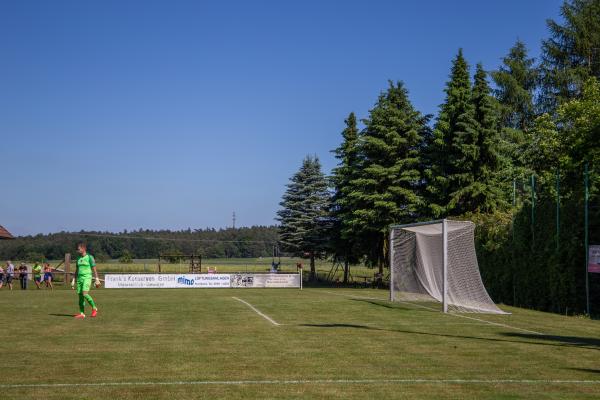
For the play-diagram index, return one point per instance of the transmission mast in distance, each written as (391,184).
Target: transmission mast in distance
(233,220)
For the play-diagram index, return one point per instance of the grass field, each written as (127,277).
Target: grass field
(330,343)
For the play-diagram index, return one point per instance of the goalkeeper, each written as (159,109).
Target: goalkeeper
(83,274)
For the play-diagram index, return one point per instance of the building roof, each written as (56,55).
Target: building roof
(4,234)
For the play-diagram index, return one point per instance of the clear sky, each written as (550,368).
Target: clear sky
(173,114)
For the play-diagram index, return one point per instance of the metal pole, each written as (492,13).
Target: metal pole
(557,210)
(532,210)
(391,252)
(513,242)
(445,265)
(586,240)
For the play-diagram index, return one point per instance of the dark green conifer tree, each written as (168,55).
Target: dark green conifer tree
(516,83)
(342,241)
(304,213)
(571,54)
(386,188)
(488,190)
(454,150)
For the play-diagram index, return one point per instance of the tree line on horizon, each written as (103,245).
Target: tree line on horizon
(501,155)
(255,241)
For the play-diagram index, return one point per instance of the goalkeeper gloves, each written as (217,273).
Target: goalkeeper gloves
(73,283)
(98,283)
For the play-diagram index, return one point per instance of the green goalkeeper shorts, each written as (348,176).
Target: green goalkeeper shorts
(84,284)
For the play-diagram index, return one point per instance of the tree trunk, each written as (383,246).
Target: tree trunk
(346,270)
(313,271)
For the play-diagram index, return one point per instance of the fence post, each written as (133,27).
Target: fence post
(67,268)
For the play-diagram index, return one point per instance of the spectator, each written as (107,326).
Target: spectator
(275,266)
(37,274)
(9,273)
(1,276)
(48,276)
(23,276)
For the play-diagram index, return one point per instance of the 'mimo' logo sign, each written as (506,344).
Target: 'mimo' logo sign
(184,281)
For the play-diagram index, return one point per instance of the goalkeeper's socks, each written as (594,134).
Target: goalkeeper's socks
(90,300)
(81,303)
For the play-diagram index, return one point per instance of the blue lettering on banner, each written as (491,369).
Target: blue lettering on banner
(184,281)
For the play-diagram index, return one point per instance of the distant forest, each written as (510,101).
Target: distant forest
(255,241)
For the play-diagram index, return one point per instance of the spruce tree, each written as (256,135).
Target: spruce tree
(386,188)
(342,240)
(486,192)
(454,150)
(304,213)
(516,82)
(572,54)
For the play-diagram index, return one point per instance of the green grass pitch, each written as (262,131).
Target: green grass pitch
(331,343)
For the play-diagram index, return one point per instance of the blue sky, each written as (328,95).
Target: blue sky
(172,114)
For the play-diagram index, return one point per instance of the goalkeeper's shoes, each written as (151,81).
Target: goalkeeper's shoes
(79,316)
(94,312)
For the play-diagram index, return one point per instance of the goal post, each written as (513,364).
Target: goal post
(436,261)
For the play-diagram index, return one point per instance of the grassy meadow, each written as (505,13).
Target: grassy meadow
(329,343)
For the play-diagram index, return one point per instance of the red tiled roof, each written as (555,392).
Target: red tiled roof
(4,234)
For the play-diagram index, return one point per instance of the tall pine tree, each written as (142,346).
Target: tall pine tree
(454,151)
(516,83)
(342,241)
(572,54)
(487,190)
(386,188)
(304,213)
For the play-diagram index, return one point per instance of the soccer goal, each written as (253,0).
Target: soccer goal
(436,261)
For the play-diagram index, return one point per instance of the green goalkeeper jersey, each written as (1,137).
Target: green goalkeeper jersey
(84,266)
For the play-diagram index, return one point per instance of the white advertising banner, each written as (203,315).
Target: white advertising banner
(265,280)
(166,281)
(174,281)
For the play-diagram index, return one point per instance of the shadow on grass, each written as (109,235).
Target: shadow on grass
(61,315)
(572,340)
(591,345)
(594,371)
(395,306)
(342,326)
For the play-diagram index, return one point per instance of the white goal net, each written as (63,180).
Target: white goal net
(436,261)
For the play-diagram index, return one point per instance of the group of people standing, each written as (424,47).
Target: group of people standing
(42,274)
(81,280)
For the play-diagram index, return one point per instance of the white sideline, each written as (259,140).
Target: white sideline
(433,309)
(258,312)
(312,382)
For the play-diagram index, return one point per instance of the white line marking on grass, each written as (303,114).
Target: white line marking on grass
(257,311)
(433,309)
(499,324)
(312,382)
